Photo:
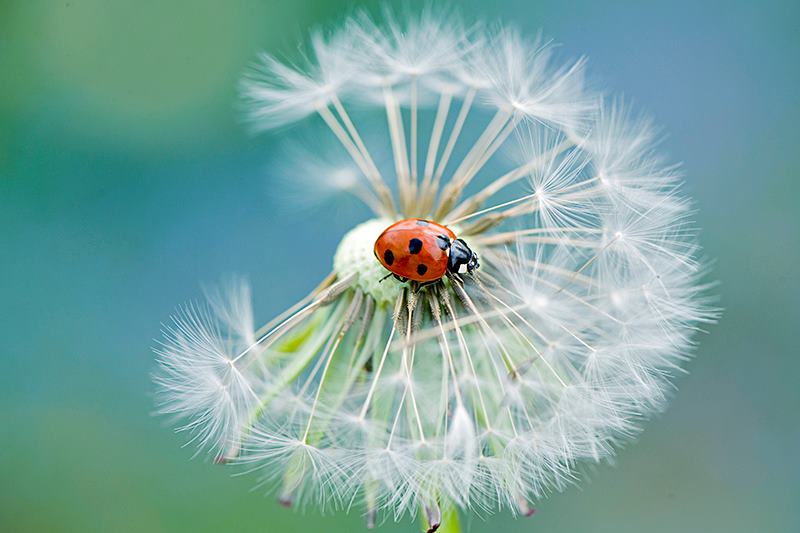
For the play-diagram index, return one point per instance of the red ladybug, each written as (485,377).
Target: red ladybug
(422,250)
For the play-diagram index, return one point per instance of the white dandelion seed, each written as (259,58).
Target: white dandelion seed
(488,387)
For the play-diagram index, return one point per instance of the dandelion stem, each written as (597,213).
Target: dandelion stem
(427,195)
(377,183)
(496,143)
(446,348)
(379,370)
(374,175)
(451,192)
(324,284)
(324,297)
(490,209)
(349,318)
(408,361)
(449,522)
(500,238)
(348,123)
(414,117)
(466,105)
(399,149)
(464,347)
(299,362)
(493,128)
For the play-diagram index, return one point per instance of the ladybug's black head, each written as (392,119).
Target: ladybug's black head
(461,258)
(472,264)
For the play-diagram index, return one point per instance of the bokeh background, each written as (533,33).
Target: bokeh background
(127,181)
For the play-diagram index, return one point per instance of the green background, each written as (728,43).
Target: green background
(127,180)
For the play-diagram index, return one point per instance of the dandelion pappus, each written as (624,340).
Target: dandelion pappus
(451,399)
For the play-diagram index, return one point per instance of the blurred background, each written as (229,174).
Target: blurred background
(127,181)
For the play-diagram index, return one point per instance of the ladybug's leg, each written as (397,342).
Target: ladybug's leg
(387,276)
(426,283)
(399,278)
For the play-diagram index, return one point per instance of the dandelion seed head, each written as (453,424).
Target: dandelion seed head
(355,256)
(484,390)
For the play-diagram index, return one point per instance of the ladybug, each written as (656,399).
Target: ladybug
(424,251)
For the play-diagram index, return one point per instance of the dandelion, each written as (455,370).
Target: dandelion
(486,388)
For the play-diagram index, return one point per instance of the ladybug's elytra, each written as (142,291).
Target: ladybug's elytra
(423,251)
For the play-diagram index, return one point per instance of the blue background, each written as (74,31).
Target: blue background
(127,181)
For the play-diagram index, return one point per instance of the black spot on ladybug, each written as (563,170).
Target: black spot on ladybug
(421,269)
(388,256)
(443,241)
(421,222)
(414,246)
